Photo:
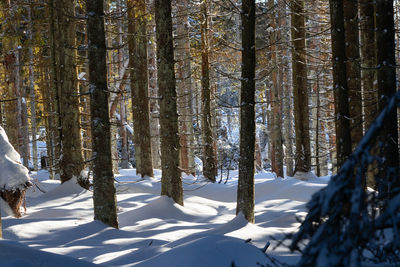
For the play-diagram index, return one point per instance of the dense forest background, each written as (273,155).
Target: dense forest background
(204,88)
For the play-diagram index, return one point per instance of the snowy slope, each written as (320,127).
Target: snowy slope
(154,231)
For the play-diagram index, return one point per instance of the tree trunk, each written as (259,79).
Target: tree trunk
(71,162)
(276,123)
(22,111)
(350,8)
(245,192)
(184,88)
(368,72)
(171,181)
(299,74)
(209,161)
(54,89)
(154,106)
(385,46)
(105,208)
(32,92)
(342,123)
(139,86)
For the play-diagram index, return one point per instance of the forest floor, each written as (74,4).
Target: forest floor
(153,230)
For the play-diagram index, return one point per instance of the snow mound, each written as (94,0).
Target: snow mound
(162,208)
(210,251)
(13,174)
(70,187)
(16,254)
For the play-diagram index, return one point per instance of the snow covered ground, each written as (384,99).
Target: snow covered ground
(153,230)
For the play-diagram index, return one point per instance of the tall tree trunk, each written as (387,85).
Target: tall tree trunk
(105,208)
(342,123)
(287,92)
(385,45)
(54,90)
(368,72)
(299,73)
(32,92)
(171,181)
(139,86)
(350,8)
(276,123)
(184,87)
(71,162)
(245,192)
(368,61)
(122,128)
(154,106)
(209,160)
(22,110)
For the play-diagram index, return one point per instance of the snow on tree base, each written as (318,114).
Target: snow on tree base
(14,178)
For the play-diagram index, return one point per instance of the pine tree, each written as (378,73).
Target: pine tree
(209,160)
(385,46)
(350,8)
(71,162)
(171,181)
(342,123)
(105,208)
(139,86)
(299,74)
(245,192)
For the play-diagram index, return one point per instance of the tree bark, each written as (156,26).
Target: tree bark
(385,45)
(154,105)
(71,162)
(171,181)
(368,73)
(299,74)
(184,87)
(276,122)
(350,8)
(368,61)
(105,208)
(139,86)
(209,160)
(32,92)
(245,192)
(341,96)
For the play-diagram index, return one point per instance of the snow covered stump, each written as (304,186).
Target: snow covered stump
(14,178)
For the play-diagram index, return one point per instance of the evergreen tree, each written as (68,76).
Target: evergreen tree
(171,181)
(245,191)
(105,208)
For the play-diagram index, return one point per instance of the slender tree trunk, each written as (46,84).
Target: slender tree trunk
(11,107)
(342,123)
(287,92)
(277,164)
(22,110)
(350,8)
(154,106)
(368,61)
(105,208)
(122,128)
(71,162)
(369,73)
(139,86)
(245,192)
(54,90)
(184,87)
(32,92)
(385,45)
(299,73)
(209,161)
(171,181)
